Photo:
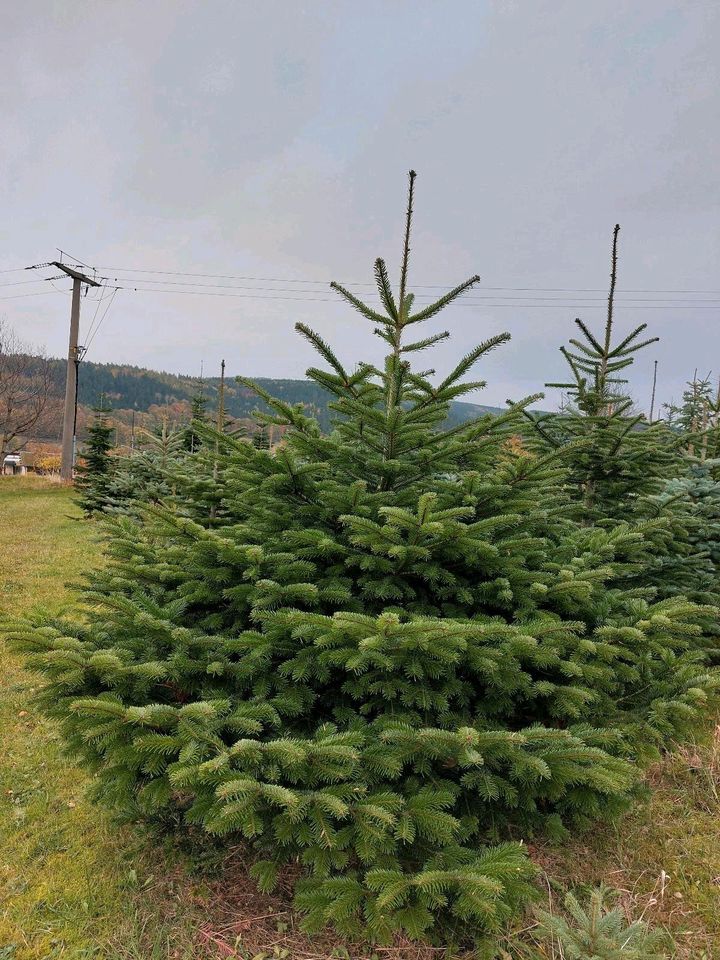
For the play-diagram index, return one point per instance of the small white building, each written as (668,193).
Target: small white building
(13,465)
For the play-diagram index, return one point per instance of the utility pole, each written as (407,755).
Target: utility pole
(74,355)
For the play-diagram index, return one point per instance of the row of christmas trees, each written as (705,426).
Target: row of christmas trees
(393,652)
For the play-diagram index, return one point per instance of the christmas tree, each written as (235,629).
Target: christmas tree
(630,474)
(390,650)
(261,438)
(615,456)
(598,933)
(198,416)
(146,475)
(94,474)
(686,557)
(698,418)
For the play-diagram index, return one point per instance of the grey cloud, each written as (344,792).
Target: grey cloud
(273,140)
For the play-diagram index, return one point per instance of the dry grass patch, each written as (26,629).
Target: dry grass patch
(663,858)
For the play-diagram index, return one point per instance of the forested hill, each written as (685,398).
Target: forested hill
(135,388)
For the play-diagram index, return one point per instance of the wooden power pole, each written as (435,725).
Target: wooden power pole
(68,438)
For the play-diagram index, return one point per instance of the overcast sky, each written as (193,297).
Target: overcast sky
(273,139)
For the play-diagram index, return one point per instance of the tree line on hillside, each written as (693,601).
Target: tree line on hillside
(393,651)
(129,389)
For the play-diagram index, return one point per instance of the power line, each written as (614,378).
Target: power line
(92,335)
(105,313)
(38,293)
(65,293)
(359,283)
(21,283)
(460,303)
(64,253)
(220,276)
(103,294)
(520,303)
(472,298)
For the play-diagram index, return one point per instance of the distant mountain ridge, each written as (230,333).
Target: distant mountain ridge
(138,388)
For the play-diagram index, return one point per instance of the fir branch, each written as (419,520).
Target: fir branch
(288,413)
(644,343)
(443,302)
(359,305)
(323,349)
(586,330)
(581,346)
(387,337)
(470,359)
(611,294)
(384,289)
(630,337)
(424,344)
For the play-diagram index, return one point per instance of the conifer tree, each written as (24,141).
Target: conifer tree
(198,416)
(627,473)
(689,561)
(698,418)
(598,933)
(146,476)
(391,649)
(624,471)
(261,438)
(685,551)
(94,474)
(615,457)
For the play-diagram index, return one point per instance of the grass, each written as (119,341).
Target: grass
(74,885)
(664,858)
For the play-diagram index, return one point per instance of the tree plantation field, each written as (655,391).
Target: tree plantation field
(400,687)
(73,884)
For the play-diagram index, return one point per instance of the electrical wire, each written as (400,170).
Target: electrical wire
(103,293)
(461,303)
(65,293)
(471,298)
(287,280)
(358,283)
(105,313)
(21,283)
(38,293)
(64,253)
(279,293)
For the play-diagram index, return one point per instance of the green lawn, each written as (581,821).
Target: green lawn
(73,884)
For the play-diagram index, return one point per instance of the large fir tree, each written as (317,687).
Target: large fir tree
(389,651)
